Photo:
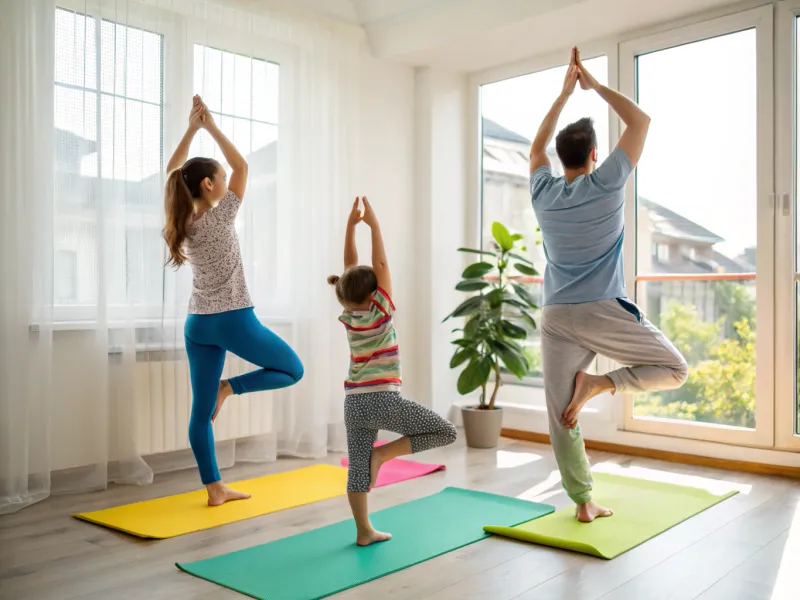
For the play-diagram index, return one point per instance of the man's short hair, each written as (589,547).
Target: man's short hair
(575,143)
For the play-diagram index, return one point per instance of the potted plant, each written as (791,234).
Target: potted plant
(488,338)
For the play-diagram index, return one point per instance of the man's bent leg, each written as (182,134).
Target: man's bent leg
(618,330)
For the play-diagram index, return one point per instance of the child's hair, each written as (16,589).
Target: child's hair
(183,185)
(355,285)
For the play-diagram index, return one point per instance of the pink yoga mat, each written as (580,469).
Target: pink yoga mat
(398,469)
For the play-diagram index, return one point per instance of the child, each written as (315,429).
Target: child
(201,209)
(372,389)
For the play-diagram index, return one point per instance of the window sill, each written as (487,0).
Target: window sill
(84,325)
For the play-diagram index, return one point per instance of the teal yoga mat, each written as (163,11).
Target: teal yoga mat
(318,563)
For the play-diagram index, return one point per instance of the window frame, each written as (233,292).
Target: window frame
(761,19)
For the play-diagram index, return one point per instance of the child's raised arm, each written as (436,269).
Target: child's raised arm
(237,182)
(379,263)
(350,249)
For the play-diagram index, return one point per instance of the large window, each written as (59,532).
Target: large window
(108,120)
(693,136)
(512,111)
(703,243)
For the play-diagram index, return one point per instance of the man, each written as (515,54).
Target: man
(586,310)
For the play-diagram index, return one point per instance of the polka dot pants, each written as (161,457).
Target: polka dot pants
(365,414)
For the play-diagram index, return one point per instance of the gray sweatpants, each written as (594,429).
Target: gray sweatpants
(572,335)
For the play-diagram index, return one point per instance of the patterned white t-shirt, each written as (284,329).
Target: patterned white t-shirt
(212,247)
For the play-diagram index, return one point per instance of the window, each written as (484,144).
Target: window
(710,297)
(242,93)
(108,121)
(512,111)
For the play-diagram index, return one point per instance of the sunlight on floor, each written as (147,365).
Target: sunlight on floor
(511,460)
(715,486)
(786,582)
(544,490)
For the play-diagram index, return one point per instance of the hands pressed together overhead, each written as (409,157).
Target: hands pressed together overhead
(576,72)
(199,116)
(357,217)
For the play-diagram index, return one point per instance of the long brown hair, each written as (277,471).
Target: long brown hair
(183,185)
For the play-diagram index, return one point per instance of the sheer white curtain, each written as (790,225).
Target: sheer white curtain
(94,379)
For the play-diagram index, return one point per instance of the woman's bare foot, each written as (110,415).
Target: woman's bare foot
(586,513)
(219,493)
(372,537)
(586,387)
(223,392)
(375,464)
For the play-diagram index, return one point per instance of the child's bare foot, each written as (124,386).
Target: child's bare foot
(223,392)
(372,537)
(375,464)
(586,513)
(219,493)
(586,387)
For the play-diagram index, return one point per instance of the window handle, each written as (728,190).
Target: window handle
(786,207)
(772,201)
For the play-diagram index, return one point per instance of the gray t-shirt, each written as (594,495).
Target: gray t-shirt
(213,251)
(582,225)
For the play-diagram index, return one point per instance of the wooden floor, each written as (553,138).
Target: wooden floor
(746,548)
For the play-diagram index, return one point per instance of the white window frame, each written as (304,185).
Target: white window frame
(786,234)
(762,20)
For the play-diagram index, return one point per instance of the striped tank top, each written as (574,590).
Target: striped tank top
(374,355)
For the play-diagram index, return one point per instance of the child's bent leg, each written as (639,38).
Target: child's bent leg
(205,367)
(422,430)
(250,340)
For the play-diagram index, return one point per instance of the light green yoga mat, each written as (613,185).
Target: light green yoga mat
(642,510)
(325,561)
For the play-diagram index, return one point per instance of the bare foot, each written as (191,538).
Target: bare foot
(586,387)
(586,513)
(223,392)
(219,493)
(375,464)
(372,537)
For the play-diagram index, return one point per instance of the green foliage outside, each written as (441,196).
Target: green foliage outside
(722,361)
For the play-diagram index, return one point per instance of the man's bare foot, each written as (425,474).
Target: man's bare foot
(372,537)
(375,464)
(586,513)
(586,387)
(219,493)
(223,392)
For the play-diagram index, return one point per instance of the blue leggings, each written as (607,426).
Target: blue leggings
(208,338)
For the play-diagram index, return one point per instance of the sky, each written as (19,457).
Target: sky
(700,156)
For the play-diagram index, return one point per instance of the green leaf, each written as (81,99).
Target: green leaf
(513,301)
(514,361)
(531,321)
(475,375)
(513,331)
(517,237)
(462,342)
(472,285)
(501,236)
(526,270)
(521,258)
(469,306)
(471,328)
(525,295)
(473,251)
(476,270)
(461,356)
(495,297)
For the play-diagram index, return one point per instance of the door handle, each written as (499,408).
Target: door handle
(786,207)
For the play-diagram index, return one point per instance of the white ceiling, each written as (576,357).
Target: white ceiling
(470,35)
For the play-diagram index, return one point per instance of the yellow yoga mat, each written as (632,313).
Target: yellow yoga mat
(185,513)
